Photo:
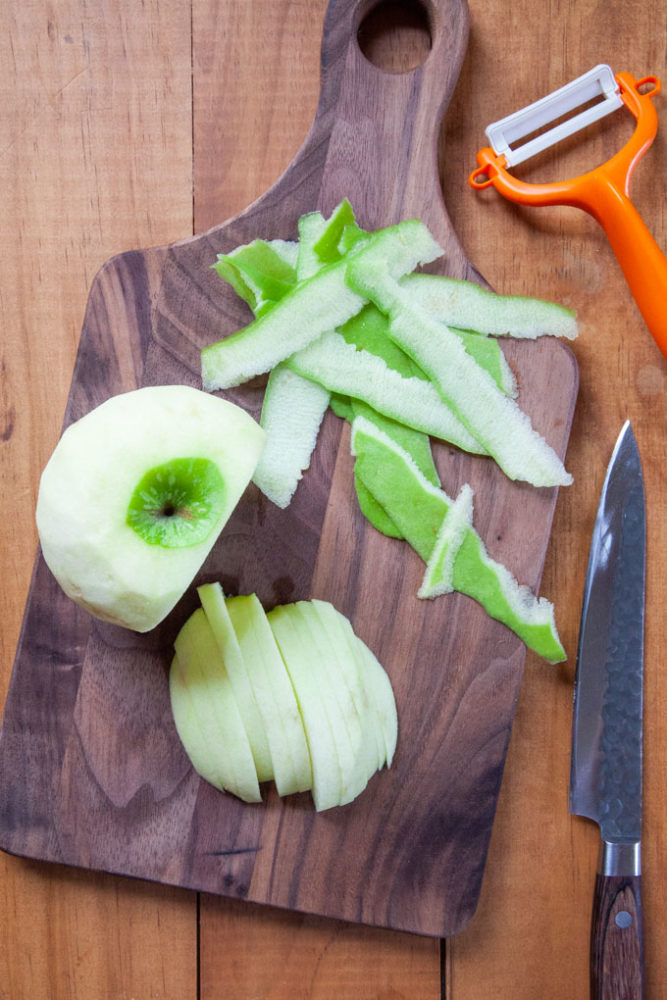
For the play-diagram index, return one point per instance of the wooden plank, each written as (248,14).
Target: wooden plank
(266,952)
(251,112)
(96,159)
(261,952)
(80,934)
(530,933)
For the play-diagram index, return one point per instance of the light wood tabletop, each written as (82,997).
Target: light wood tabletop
(132,125)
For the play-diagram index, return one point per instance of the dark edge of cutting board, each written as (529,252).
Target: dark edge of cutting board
(91,770)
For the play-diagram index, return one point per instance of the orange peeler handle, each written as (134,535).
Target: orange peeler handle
(642,261)
(604,194)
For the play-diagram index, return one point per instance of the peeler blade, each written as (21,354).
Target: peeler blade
(596,92)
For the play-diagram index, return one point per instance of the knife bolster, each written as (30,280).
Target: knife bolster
(620,859)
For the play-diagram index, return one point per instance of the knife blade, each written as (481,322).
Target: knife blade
(607,743)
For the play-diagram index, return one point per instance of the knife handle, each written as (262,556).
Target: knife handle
(617,940)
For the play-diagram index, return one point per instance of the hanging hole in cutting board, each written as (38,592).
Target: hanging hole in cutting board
(395,37)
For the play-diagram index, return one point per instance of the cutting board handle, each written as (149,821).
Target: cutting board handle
(384,127)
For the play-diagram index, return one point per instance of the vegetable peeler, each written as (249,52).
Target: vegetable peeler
(602,192)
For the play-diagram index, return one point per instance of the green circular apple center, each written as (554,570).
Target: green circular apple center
(178,503)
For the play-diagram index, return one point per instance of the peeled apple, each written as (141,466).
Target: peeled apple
(136,494)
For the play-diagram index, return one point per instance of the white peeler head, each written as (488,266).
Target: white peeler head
(596,93)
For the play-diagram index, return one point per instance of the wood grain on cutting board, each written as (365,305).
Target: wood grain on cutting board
(93,774)
(493,962)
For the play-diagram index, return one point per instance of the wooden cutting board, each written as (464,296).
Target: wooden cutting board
(91,770)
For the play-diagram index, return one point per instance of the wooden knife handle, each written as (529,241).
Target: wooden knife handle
(617,941)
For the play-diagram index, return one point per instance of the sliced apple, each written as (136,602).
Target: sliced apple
(300,664)
(376,695)
(345,725)
(274,695)
(300,680)
(206,715)
(381,693)
(135,495)
(350,715)
(341,633)
(215,608)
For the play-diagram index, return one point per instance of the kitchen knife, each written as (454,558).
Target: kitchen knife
(606,767)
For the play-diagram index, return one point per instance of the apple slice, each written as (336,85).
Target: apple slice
(341,634)
(377,695)
(137,492)
(351,714)
(274,695)
(381,693)
(348,733)
(298,658)
(215,609)
(205,712)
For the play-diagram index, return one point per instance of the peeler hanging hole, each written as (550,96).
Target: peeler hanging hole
(648,86)
(480,178)
(395,36)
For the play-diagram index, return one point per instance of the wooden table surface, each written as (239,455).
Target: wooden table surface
(130,125)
